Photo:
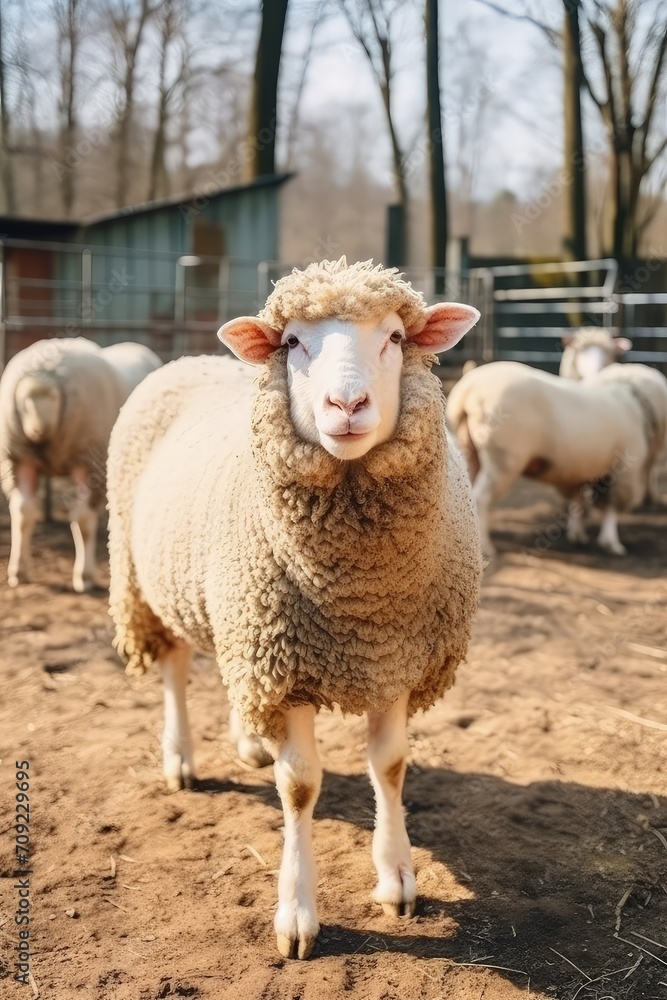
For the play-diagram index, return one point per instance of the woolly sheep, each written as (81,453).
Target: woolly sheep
(589,350)
(317,533)
(58,402)
(512,421)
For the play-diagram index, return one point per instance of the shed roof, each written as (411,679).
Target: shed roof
(207,193)
(26,227)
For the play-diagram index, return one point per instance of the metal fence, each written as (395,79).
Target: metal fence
(174,302)
(171,302)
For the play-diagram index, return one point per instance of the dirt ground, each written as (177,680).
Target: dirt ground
(537,809)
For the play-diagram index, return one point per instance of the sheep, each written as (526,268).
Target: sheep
(58,402)
(512,420)
(316,533)
(589,350)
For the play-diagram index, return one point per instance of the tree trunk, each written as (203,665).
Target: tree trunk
(263,123)
(436,147)
(6,166)
(575,235)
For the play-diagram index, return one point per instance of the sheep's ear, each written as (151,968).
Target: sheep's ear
(567,339)
(442,326)
(622,344)
(250,339)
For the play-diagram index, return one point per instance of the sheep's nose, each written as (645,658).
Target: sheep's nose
(348,403)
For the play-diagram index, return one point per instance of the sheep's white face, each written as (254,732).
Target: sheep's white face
(38,402)
(345,377)
(589,359)
(344,381)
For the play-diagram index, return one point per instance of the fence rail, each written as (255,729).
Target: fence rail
(174,302)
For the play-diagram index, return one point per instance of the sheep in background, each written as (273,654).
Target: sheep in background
(512,420)
(316,532)
(58,402)
(589,350)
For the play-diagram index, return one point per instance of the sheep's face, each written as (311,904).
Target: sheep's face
(344,376)
(39,404)
(582,361)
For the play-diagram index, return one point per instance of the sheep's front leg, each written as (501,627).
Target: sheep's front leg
(298,778)
(23,515)
(608,538)
(83,522)
(387,755)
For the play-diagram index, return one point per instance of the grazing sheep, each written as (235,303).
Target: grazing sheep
(512,421)
(589,350)
(317,533)
(58,402)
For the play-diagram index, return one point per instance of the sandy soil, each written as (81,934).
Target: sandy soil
(537,812)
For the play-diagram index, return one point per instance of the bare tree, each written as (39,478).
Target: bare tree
(6,166)
(126,21)
(263,123)
(171,41)
(68,15)
(371,24)
(631,49)
(574,238)
(439,226)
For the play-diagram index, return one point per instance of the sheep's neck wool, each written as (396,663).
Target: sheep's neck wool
(361,578)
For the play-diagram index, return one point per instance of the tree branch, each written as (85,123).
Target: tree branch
(554,37)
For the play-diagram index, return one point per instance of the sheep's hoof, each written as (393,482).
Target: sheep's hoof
(400,909)
(16,578)
(396,891)
(296,929)
(613,546)
(296,947)
(178,775)
(82,585)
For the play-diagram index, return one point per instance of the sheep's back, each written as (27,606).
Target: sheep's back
(132,363)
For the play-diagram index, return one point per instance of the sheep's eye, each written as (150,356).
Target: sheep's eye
(292,341)
(396,337)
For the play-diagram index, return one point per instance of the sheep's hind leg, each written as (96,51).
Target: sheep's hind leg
(608,538)
(576,519)
(83,524)
(249,747)
(298,778)
(178,767)
(23,515)
(387,754)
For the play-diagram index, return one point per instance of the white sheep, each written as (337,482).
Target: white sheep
(589,350)
(512,420)
(317,533)
(58,402)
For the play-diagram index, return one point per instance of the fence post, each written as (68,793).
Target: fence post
(86,287)
(224,275)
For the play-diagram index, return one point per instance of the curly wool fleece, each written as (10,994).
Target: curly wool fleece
(351,293)
(315,581)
